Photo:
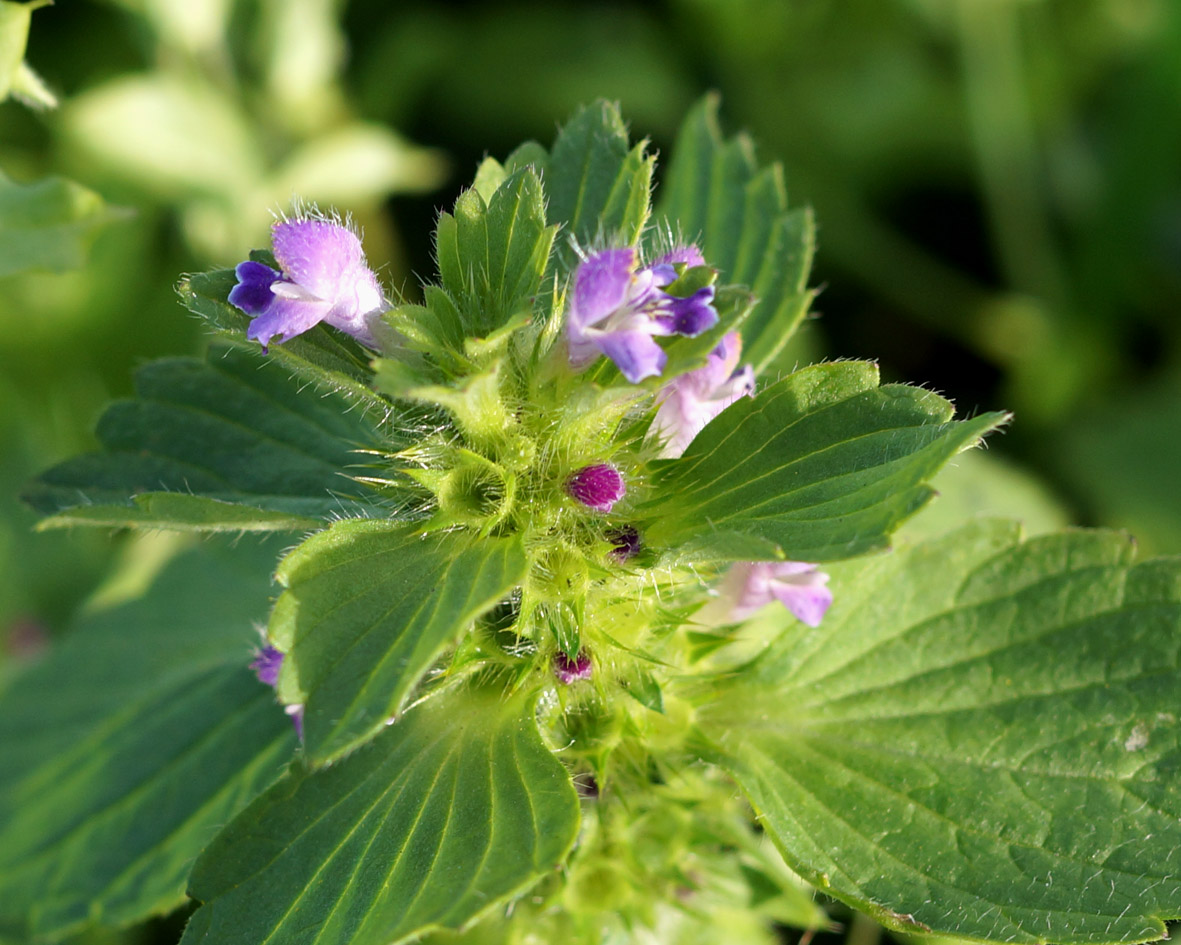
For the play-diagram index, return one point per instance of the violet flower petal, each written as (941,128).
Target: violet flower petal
(253,293)
(688,256)
(318,255)
(635,354)
(266,665)
(808,603)
(693,315)
(750,586)
(286,318)
(689,402)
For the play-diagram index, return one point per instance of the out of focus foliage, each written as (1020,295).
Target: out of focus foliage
(997,184)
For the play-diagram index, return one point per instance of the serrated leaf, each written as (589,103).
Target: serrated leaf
(492,254)
(824,463)
(368,607)
(716,194)
(230,435)
(131,744)
(981,739)
(48,224)
(452,810)
(328,359)
(599,186)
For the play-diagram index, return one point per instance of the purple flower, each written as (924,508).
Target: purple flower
(598,486)
(324,278)
(797,585)
(689,402)
(571,670)
(616,310)
(266,666)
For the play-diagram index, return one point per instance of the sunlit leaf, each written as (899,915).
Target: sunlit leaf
(981,739)
(368,607)
(456,807)
(825,464)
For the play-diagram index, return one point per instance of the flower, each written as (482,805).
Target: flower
(598,486)
(615,310)
(689,402)
(323,278)
(266,665)
(571,670)
(797,585)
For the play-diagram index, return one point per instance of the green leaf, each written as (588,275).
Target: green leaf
(134,741)
(180,512)
(328,359)
(492,254)
(368,607)
(455,808)
(599,187)
(831,464)
(981,739)
(48,224)
(716,195)
(229,436)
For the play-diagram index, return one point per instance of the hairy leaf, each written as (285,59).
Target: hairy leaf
(329,360)
(453,809)
(980,740)
(716,195)
(493,250)
(369,606)
(234,441)
(831,464)
(131,744)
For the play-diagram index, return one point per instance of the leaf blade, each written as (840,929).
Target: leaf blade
(456,807)
(223,437)
(368,606)
(987,750)
(131,744)
(832,464)
(715,193)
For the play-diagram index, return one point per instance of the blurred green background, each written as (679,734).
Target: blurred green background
(997,183)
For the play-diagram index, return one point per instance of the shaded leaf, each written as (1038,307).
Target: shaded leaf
(132,744)
(453,809)
(831,465)
(369,606)
(230,436)
(981,739)
(716,195)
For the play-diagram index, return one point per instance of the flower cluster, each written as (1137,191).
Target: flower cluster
(616,307)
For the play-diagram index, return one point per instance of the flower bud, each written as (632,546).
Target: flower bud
(571,670)
(598,486)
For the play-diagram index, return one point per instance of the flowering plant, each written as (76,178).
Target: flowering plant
(581,581)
